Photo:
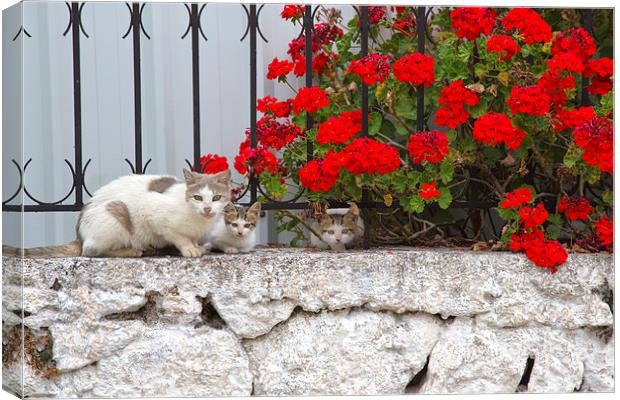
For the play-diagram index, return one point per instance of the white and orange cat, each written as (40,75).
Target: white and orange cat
(340,228)
(136,213)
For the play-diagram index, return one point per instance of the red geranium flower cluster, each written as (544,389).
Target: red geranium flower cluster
(596,138)
(565,119)
(519,242)
(576,41)
(340,129)
(372,68)
(404,22)
(533,216)
(271,105)
(605,229)
(504,45)
(212,164)
(325,33)
(310,99)
(256,160)
(565,62)
(362,156)
(279,69)
(517,198)
(496,128)
(375,14)
(368,156)
(274,134)
(297,47)
(292,11)
(431,146)
(453,99)
(415,68)
(321,175)
(319,63)
(546,253)
(470,22)
(530,100)
(600,71)
(530,238)
(575,209)
(530,24)
(555,86)
(429,191)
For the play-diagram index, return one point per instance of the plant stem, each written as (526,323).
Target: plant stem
(293,215)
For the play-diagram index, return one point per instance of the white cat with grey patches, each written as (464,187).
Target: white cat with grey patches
(235,229)
(340,228)
(140,212)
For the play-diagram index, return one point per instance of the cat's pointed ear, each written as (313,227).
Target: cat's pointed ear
(325,221)
(222,178)
(255,209)
(353,209)
(230,208)
(190,177)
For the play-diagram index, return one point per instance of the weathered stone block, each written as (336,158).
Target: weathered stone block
(293,321)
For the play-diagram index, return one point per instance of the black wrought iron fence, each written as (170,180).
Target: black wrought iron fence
(195,32)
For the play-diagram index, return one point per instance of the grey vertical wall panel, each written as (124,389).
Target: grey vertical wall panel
(12,119)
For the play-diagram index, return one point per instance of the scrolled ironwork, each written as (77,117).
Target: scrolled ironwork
(45,203)
(194,20)
(75,17)
(21,29)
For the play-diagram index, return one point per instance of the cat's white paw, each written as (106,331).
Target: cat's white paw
(192,251)
(231,250)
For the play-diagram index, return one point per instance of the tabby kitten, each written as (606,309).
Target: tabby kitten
(340,228)
(235,230)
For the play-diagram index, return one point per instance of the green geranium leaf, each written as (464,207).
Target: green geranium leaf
(445,198)
(374,125)
(415,204)
(446,170)
(507,214)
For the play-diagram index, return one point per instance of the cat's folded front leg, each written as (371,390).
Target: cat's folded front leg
(231,250)
(186,246)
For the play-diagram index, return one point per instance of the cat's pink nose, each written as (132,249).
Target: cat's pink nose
(239,233)
(206,211)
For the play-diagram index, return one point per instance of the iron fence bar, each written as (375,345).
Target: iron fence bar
(421,27)
(137,87)
(375,205)
(41,207)
(587,20)
(308,52)
(252,23)
(195,24)
(77,103)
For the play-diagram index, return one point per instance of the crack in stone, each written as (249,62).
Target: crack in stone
(527,373)
(208,314)
(415,384)
(148,313)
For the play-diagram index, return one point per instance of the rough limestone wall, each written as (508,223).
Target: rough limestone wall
(292,322)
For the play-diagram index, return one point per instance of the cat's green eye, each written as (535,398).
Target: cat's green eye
(330,232)
(197,197)
(217,197)
(234,224)
(248,225)
(345,231)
